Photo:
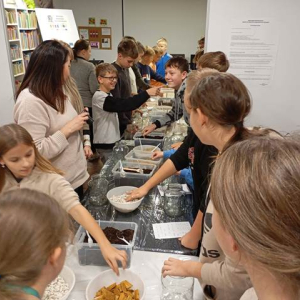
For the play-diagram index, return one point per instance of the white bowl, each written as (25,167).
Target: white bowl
(145,151)
(106,278)
(69,277)
(123,207)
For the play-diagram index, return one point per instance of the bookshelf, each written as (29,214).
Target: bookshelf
(23,37)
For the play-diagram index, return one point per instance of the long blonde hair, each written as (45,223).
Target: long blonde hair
(32,226)
(12,135)
(255,188)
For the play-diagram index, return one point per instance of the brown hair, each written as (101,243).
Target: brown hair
(157,50)
(197,56)
(79,46)
(38,225)
(214,60)
(129,38)
(178,62)
(12,135)
(44,74)
(255,188)
(149,51)
(225,100)
(128,48)
(104,68)
(140,47)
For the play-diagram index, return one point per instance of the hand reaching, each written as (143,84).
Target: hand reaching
(148,129)
(137,193)
(157,155)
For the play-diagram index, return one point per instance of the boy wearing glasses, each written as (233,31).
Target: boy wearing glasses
(106,108)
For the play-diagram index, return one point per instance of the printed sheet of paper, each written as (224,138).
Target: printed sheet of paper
(170,230)
(253,50)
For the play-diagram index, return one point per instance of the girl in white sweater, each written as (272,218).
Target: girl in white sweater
(22,166)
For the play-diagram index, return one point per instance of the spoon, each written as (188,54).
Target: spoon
(141,144)
(122,172)
(155,147)
(90,240)
(123,239)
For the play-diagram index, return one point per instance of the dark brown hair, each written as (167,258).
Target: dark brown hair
(79,46)
(214,60)
(12,135)
(32,225)
(104,68)
(178,62)
(255,188)
(44,74)
(225,100)
(128,48)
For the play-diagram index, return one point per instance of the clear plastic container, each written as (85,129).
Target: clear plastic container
(174,203)
(132,179)
(148,140)
(92,256)
(132,157)
(177,288)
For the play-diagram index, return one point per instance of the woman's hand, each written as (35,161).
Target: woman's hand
(75,124)
(137,194)
(154,91)
(87,151)
(157,155)
(113,255)
(148,129)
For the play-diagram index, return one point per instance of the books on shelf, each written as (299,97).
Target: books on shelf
(10,17)
(15,51)
(29,39)
(27,19)
(12,33)
(18,67)
(26,57)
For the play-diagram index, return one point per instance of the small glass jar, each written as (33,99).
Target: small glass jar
(120,150)
(174,203)
(177,288)
(98,190)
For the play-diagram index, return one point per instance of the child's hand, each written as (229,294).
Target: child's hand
(175,267)
(154,91)
(157,155)
(112,255)
(87,151)
(136,194)
(148,129)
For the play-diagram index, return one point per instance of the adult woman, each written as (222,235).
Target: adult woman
(258,182)
(48,115)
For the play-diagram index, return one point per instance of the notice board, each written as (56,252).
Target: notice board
(258,38)
(99,37)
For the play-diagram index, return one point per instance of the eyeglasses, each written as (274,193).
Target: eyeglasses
(111,78)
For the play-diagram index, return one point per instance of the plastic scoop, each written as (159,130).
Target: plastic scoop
(123,239)
(90,240)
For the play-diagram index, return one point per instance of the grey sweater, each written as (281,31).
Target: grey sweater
(84,74)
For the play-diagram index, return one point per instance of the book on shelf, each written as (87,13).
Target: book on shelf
(10,17)
(18,67)
(29,39)
(15,51)
(26,57)
(27,19)
(12,33)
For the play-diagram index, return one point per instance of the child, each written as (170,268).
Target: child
(22,166)
(162,43)
(214,60)
(255,190)
(157,56)
(33,245)
(127,53)
(176,71)
(145,70)
(106,107)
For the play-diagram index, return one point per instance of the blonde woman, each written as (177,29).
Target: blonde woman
(255,189)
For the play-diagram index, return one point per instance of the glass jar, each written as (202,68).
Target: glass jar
(177,137)
(174,203)
(120,150)
(177,288)
(98,190)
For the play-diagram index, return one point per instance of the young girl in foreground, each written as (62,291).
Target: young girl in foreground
(258,182)
(21,166)
(33,250)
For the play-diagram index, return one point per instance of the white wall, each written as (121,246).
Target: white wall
(276,105)
(100,9)
(182,23)
(6,81)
